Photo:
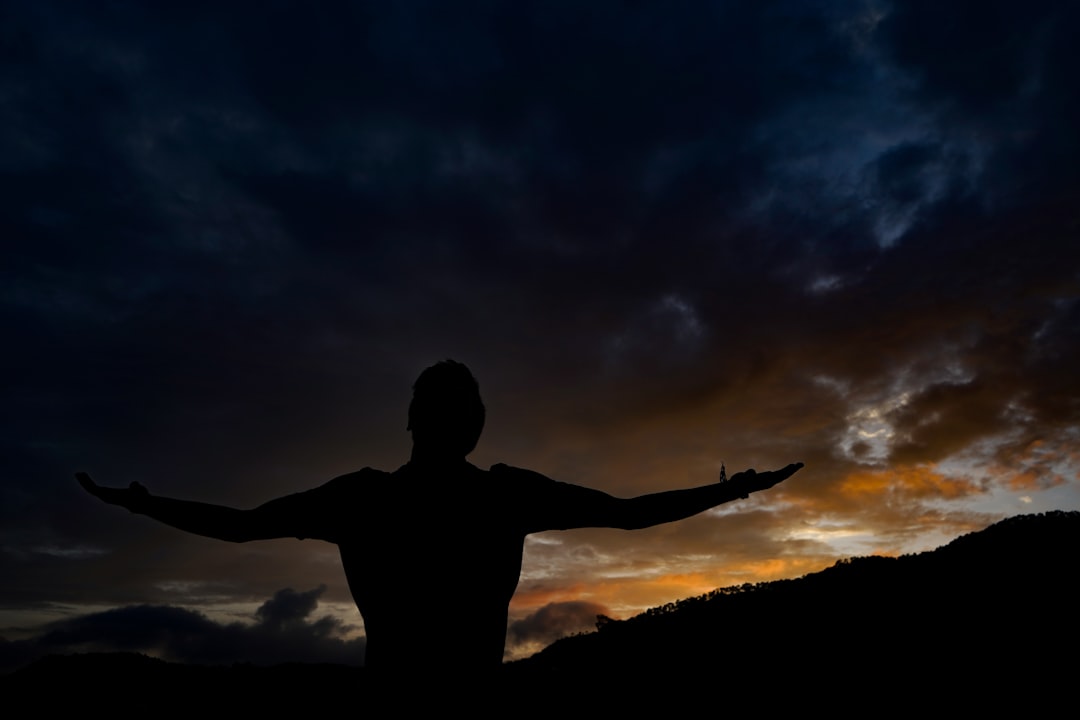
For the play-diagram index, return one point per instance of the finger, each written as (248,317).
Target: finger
(769,479)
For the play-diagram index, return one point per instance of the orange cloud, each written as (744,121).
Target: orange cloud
(1026,480)
(627,595)
(910,481)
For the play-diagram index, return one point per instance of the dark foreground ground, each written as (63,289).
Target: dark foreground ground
(135,686)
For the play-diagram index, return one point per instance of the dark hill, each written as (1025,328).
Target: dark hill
(997,603)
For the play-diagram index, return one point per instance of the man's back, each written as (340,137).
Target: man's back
(432,550)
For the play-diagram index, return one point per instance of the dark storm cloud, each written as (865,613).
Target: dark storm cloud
(976,55)
(999,69)
(220,215)
(288,607)
(283,632)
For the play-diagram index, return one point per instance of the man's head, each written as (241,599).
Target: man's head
(446,415)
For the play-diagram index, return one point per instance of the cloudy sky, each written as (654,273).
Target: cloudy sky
(663,235)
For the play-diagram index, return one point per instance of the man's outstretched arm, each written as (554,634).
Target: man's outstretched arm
(271,520)
(584,507)
(662,507)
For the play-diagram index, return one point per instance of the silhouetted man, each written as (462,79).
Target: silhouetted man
(439,534)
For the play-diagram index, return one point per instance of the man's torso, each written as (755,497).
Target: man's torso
(433,555)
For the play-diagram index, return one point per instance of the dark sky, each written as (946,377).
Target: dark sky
(663,235)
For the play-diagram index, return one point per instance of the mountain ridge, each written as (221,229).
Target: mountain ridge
(980,597)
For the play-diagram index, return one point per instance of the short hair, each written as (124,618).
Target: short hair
(446,409)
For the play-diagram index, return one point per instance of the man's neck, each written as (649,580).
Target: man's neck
(427,458)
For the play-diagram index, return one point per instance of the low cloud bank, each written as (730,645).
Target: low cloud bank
(284,631)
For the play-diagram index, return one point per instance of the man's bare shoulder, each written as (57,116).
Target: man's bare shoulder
(511,472)
(546,504)
(363,474)
(527,479)
(354,481)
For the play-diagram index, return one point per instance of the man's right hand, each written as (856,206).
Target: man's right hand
(130,497)
(749,481)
